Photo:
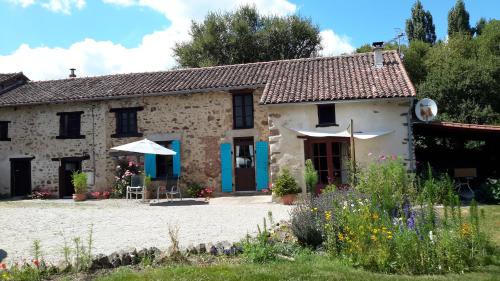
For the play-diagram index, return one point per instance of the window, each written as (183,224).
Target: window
(326,155)
(164,163)
(326,115)
(243,111)
(4,131)
(69,125)
(126,122)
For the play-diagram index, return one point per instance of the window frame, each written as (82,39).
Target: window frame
(119,133)
(64,128)
(4,124)
(320,110)
(244,114)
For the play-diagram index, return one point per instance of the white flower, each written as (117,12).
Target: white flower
(431,236)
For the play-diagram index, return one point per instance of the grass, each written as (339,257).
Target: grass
(312,267)
(308,267)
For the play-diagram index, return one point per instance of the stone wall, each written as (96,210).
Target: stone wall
(287,150)
(202,121)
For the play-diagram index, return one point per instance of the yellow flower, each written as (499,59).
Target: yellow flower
(314,209)
(341,236)
(375,216)
(389,237)
(373,238)
(375,231)
(389,233)
(465,229)
(328,215)
(384,228)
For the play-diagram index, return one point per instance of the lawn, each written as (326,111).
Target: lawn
(309,267)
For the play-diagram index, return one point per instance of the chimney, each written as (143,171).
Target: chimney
(378,59)
(72,74)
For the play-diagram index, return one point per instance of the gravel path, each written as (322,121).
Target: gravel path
(121,224)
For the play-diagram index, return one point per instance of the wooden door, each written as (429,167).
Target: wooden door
(326,155)
(20,177)
(66,188)
(244,168)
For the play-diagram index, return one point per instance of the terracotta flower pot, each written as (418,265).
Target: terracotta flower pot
(79,197)
(288,199)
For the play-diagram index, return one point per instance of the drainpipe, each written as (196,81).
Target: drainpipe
(410,137)
(93,146)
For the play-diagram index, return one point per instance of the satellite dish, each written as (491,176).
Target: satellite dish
(426,110)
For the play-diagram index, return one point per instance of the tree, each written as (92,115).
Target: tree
(462,76)
(244,36)
(420,26)
(414,60)
(458,19)
(366,48)
(478,29)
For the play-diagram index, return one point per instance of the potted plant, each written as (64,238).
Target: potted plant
(79,181)
(106,194)
(286,187)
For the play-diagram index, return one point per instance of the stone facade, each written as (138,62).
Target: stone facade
(201,121)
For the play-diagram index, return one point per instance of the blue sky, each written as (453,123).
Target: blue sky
(111,36)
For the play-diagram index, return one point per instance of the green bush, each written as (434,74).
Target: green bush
(436,188)
(260,249)
(285,184)
(79,181)
(389,228)
(489,192)
(193,190)
(310,176)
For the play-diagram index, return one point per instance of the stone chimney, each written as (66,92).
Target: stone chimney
(378,59)
(72,74)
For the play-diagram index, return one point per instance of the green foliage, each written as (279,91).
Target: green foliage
(388,182)
(414,57)
(244,36)
(458,19)
(366,48)
(462,77)
(193,190)
(260,249)
(489,192)
(310,176)
(79,181)
(305,225)
(147,181)
(392,230)
(420,26)
(285,184)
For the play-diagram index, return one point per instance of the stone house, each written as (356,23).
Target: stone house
(233,126)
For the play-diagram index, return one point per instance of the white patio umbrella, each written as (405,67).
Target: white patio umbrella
(145,146)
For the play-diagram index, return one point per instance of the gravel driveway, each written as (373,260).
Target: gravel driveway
(121,224)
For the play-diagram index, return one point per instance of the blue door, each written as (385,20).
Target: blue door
(226,167)
(262,164)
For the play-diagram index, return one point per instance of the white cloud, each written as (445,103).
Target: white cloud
(333,44)
(91,57)
(63,6)
(23,3)
(57,6)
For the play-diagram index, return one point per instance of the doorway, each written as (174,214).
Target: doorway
(244,168)
(68,166)
(328,155)
(20,176)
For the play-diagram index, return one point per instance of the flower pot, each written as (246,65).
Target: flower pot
(288,199)
(79,197)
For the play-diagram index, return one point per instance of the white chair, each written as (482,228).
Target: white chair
(174,190)
(136,187)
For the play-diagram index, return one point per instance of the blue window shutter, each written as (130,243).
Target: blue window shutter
(150,165)
(262,164)
(226,167)
(176,163)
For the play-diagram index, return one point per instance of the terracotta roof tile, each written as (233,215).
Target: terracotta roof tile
(286,81)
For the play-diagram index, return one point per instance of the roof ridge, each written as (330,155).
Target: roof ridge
(212,67)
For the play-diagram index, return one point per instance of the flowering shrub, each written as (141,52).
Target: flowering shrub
(193,190)
(124,171)
(384,225)
(41,193)
(206,192)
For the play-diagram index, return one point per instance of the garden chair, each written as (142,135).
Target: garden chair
(173,191)
(463,176)
(136,187)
